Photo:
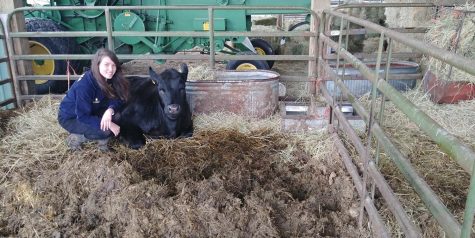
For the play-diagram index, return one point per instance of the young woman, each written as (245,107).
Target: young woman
(87,109)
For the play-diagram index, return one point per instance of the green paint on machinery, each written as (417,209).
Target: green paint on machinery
(147,20)
(160,20)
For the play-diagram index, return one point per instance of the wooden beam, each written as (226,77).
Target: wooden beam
(316,6)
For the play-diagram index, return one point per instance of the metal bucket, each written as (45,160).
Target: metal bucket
(358,85)
(252,93)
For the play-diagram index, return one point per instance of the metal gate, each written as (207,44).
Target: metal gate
(320,36)
(109,33)
(450,144)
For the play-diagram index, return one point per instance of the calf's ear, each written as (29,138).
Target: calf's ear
(184,71)
(152,73)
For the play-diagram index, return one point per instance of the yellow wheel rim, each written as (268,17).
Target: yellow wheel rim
(246,66)
(260,51)
(41,67)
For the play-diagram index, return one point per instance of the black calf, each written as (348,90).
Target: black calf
(156,107)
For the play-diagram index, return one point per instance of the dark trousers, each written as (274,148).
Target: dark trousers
(74,126)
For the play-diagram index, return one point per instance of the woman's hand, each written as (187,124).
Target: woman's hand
(106,120)
(114,128)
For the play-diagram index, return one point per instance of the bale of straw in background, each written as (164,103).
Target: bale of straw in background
(456,33)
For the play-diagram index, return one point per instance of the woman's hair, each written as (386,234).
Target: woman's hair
(119,86)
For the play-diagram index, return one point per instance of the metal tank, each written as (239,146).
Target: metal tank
(406,73)
(251,93)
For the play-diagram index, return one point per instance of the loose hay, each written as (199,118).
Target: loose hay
(230,179)
(5,116)
(443,33)
(448,180)
(33,134)
(201,72)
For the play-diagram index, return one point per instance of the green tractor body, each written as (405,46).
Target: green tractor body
(154,21)
(160,20)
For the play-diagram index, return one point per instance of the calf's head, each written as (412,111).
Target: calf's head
(171,90)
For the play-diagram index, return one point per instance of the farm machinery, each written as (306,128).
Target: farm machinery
(146,20)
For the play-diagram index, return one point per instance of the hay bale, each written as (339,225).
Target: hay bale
(402,17)
(444,34)
(356,43)
(408,16)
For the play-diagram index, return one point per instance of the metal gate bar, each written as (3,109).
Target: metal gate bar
(407,107)
(463,154)
(375,217)
(393,202)
(428,196)
(460,152)
(109,33)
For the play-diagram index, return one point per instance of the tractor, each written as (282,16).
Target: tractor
(151,21)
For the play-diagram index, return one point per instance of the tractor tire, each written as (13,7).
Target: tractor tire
(247,64)
(295,26)
(263,47)
(50,45)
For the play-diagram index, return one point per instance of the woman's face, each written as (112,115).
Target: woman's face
(107,68)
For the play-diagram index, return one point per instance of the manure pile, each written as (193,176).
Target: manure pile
(236,177)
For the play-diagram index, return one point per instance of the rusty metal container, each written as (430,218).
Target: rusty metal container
(252,93)
(442,91)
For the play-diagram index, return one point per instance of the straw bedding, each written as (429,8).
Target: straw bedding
(234,178)
(448,180)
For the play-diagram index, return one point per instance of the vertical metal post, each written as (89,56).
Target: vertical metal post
(371,116)
(469,208)
(211,38)
(312,64)
(312,51)
(381,109)
(337,68)
(110,42)
(156,26)
(347,36)
(321,29)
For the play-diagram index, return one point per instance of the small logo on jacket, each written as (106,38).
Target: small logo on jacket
(96,101)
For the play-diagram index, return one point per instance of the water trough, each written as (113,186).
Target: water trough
(403,76)
(252,93)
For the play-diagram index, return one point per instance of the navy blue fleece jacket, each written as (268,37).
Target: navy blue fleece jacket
(86,102)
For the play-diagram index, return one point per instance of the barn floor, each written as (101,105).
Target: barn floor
(235,177)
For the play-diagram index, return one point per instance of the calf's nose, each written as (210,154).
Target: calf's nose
(173,108)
